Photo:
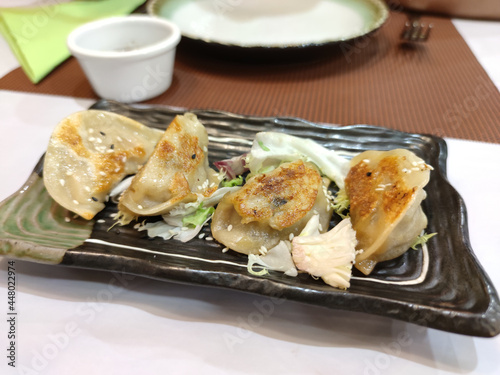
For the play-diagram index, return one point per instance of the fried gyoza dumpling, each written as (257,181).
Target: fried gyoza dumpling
(385,189)
(177,172)
(270,207)
(89,153)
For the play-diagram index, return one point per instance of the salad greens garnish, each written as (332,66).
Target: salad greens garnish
(198,217)
(341,204)
(238,181)
(263,146)
(422,239)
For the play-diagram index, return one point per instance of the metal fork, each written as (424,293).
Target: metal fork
(416,31)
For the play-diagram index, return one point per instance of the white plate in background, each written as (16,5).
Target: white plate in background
(272,24)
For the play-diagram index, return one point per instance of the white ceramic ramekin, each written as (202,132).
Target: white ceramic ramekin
(128,59)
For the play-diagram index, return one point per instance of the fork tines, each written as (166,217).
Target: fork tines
(415,31)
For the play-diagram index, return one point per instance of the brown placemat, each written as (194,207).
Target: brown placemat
(437,87)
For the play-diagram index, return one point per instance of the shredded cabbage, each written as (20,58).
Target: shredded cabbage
(279,258)
(341,204)
(187,220)
(270,149)
(253,259)
(167,231)
(185,209)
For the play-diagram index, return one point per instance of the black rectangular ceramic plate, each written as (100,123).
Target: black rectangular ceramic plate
(441,286)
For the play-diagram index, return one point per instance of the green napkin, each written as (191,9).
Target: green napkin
(37,36)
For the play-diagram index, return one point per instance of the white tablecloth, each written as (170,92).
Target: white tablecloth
(73,321)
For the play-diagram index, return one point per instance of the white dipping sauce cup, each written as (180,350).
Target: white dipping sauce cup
(128,59)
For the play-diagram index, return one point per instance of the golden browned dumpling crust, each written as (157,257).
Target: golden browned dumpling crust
(272,207)
(279,198)
(364,189)
(385,189)
(177,172)
(89,153)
